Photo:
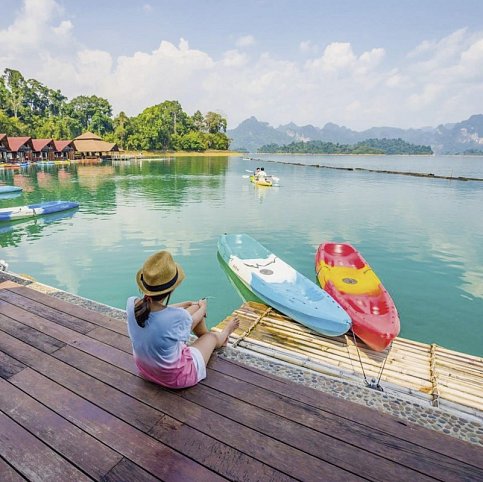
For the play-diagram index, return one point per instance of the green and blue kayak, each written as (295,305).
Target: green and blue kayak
(279,285)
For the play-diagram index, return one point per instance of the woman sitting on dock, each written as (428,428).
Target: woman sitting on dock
(159,332)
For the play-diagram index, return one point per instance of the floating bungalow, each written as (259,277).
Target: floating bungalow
(20,149)
(91,146)
(43,150)
(64,150)
(86,146)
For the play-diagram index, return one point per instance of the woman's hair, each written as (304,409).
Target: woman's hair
(142,308)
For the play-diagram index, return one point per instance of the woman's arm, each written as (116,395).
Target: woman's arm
(184,304)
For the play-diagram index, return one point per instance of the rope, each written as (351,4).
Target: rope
(373,383)
(433,375)
(251,327)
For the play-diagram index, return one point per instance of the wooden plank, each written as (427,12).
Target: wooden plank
(395,427)
(9,366)
(79,312)
(249,441)
(197,445)
(126,470)
(143,417)
(32,458)
(122,342)
(14,298)
(69,336)
(31,336)
(83,450)
(317,443)
(368,438)
(8,473)
(40,324)
(143,450)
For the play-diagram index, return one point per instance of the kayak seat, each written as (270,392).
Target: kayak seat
(351,280)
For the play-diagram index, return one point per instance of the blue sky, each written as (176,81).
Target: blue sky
(355,63)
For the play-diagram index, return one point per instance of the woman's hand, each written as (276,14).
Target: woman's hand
(203,305)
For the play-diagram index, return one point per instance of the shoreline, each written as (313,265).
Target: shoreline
(128,155)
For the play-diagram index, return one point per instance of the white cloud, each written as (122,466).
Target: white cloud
(337,56)
(234,58)
(63,29)
(245,41)
(439,81)
(147,8)
(307,47)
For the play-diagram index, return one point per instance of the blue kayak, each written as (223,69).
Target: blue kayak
(279,285)
(5,189)
(32,210)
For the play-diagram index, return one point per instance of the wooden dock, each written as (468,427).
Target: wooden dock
(74,408)
(430,373)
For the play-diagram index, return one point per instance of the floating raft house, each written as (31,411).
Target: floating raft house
(429,372)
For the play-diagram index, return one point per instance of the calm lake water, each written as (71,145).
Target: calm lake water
(422,236)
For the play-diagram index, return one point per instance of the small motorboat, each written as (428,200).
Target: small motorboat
(348,278)
(279,285)
(32,210)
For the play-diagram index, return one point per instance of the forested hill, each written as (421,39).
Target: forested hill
(369,146)
(463,137)
(29,108)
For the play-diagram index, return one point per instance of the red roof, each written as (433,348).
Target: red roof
(15,143)
(39,144)
(61,145)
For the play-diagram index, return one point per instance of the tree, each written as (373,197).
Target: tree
(192,141)
(121,126)
(58,128)
(93,113)
(16,87)
(215,122)
(155,126)
(198,121)
(218,141)
(11,125)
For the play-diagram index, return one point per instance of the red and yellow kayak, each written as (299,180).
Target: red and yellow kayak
(349,279)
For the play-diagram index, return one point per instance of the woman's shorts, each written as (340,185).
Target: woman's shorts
(199,363)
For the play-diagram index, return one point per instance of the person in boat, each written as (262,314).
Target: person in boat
(256,171)
(159,332)
(261,175)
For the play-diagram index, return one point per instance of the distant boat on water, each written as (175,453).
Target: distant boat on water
(33,210)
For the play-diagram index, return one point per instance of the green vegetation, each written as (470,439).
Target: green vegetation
(369,146)
(28,108)
(473,152)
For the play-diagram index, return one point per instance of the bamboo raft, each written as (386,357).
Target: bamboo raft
(429,372)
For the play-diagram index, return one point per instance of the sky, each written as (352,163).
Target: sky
(401,63)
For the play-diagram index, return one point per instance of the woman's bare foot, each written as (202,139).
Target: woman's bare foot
(230,327)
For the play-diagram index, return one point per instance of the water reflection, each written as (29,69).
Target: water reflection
(13,233)
(9,195)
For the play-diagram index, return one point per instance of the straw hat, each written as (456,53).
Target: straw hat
(159,274)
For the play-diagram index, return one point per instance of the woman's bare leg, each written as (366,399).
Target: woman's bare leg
(201,329)
(211,340)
